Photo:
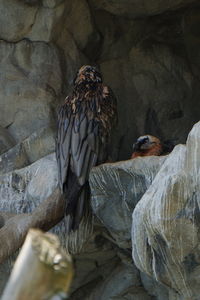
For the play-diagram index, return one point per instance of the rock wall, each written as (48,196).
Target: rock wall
(149,53)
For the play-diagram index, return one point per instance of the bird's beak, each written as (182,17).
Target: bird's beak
(136,146)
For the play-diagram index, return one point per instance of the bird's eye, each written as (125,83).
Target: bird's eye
(145,140)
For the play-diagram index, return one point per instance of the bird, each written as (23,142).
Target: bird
(148,145)
(85,122)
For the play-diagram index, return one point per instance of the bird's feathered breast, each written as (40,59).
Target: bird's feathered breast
(84,125)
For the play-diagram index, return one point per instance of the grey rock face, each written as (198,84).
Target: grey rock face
(116,189)
(37,145)
(149,54)
(22,190)
(29,88)
(6,140)
(165,221)
(159,91)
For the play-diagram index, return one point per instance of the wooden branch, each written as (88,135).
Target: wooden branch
(41,271)
(15,228)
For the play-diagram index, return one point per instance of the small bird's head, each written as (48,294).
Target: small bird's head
(87,74)
(146,142)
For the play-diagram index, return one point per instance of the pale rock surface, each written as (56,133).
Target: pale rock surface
(22,190)
(29,89)
(116,188)
(48,22)
(101,265)
(165,225)
(37,145)
(17,18)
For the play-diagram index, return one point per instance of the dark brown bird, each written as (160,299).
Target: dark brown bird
(148,145)
(84,126)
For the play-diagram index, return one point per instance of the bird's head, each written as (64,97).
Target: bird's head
(146,142)
(87,74)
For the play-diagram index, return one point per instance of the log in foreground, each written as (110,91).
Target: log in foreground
(13,228)
(42,270)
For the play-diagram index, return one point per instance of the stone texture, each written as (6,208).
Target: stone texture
(48,22)
(100,265)
(6,140)
(80,24)
(37,145)
(22,190)
(152,65)
(150,88)
(165,222)
(16,19)
(129,8)
(116,188)
(29,88)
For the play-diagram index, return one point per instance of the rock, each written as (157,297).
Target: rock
(36,146)
(48,22)
(116,188)
(29,88)
(156,289)
(51,3)
(137,8)
(22,190)
(147,81)
(15,158)
(72,58)
(6,140)
(16,27)
(166,221)
(81,25)
(122,283)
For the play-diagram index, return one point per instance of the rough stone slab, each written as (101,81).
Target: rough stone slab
(36,146)
(165,225)
(29,88)
(116,188)
(12,27)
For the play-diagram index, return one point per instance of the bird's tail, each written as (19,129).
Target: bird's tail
(79,223)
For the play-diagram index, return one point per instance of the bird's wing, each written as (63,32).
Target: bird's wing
(77,147)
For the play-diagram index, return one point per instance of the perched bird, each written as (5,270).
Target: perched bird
(148,145)
(84,126)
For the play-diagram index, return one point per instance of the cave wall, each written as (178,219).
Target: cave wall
(148,53)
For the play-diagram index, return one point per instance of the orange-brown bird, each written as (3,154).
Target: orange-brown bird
(84,126)
(148,145)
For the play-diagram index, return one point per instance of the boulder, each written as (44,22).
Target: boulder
(166,221)
(116,188)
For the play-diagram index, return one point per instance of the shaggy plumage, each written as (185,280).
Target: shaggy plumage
(84,126)
(148,145)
